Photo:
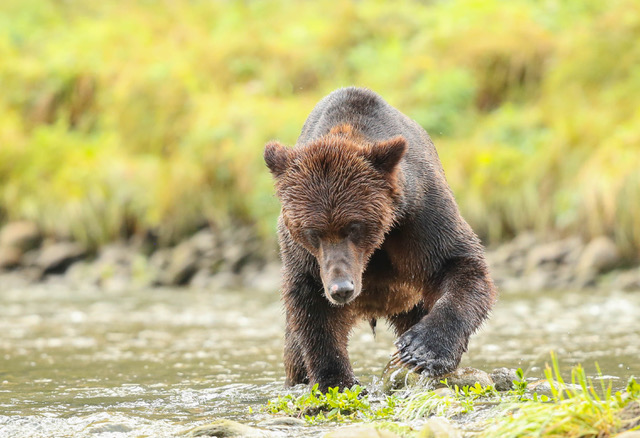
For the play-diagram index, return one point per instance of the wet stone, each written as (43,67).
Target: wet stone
(227,429)
(397,377)
(540,387)
(110,428)
(630,416)
(543,387)
(439,427)
(282,422)
(467,377)
(360,432)
(503,378)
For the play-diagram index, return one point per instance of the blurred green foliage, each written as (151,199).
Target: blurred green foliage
(125,116)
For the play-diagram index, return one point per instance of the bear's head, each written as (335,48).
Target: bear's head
(339,198)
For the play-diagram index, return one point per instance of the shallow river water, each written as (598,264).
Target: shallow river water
(157,362)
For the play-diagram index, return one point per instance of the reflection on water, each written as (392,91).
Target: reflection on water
(157,362)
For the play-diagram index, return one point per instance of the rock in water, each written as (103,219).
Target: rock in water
(227,429)
(395,377)
(360,432)
(283,422)
(467,377)
(437,427)
(503,378)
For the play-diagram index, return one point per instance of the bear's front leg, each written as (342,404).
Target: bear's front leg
(317,336)
(294,366)
(436,343)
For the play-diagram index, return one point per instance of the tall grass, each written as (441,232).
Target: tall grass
(578,410)
(127,116)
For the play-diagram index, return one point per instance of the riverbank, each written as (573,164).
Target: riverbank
(238,258)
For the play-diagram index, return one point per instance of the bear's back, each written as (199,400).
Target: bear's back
(361,108)
(376,120)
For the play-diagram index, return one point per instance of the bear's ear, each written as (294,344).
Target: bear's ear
(277,158)
(386,155)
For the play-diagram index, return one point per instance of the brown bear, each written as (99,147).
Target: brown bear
(369,229)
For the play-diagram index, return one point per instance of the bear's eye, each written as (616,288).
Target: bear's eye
(353,231)
(312,237)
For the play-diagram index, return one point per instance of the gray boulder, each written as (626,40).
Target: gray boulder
(22,235)
(183,264)
(360,431)
(438,427)
(503,378)
(396,377)
(227,429)
(466,377)
(10,257)
(57,257)
(600,255)
(553,253)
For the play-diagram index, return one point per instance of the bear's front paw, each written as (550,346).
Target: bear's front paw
(417,350)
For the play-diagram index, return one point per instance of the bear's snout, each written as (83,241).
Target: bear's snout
(340,270)
(342,291)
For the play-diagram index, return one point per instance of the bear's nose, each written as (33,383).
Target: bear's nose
(341,291)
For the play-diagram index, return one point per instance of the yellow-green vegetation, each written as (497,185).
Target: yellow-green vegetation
(317,407)
(577,410)
(124,116)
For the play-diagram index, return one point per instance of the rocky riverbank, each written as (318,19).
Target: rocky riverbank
(238,259)
(530,263)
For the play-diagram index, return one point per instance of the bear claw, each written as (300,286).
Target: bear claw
(414,352)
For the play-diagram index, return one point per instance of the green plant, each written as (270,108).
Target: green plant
(317,407)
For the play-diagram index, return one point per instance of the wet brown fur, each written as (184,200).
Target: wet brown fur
(414,260)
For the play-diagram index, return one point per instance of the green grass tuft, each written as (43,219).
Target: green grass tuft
(338,406)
